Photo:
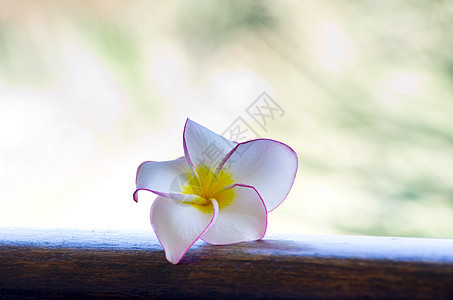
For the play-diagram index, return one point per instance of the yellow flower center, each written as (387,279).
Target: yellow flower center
(207,186)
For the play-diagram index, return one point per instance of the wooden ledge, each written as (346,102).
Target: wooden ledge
(79,264)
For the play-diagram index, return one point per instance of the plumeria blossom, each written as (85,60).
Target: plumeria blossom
(220,191)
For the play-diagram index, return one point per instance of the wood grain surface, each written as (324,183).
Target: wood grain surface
(110,264)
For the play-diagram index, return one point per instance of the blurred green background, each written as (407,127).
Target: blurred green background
(90,89)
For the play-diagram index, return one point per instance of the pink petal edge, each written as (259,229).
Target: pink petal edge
(209,132)
(214,216)
(186,151)
(174,196)
(263,139)
(265,208)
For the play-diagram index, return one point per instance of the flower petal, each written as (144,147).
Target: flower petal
(163,178)
(204,147)
(243,219)
(267,165)
(179,225)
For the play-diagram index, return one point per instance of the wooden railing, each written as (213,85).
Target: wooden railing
(78,264)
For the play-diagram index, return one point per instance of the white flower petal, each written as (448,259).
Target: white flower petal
(178,225)
(267,165)
(163,178)
(204,147)
(244,219)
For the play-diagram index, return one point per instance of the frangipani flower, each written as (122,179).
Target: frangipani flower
(220,191)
